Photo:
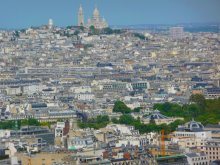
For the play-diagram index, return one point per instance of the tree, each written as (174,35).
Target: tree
(198,99)
(69,27)
(17,34)
(140,36)
(115,121)
(92,29)
(82,28)
(108,30)
(137,109)
(30,121)
(126,119)
(76,32)
(120,106)
(96,123)
(101,119)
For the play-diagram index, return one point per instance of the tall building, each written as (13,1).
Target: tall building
(80,16)
(176,32)
(96,20)
(50,24)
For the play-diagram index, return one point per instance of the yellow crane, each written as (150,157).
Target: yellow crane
(162,142)
(29,161)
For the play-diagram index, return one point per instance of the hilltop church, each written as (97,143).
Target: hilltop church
(96,20)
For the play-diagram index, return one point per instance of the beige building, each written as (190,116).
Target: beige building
(212,150)
(46,158)
(96,20)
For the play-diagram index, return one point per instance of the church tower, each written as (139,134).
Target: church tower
(80,16)
(96,20)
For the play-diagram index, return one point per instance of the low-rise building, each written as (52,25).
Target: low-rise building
(197,158)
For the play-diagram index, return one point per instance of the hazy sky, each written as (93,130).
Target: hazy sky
(26,13)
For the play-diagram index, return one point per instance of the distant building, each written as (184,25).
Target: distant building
(40,132)
(212,148)
(62,129)
(172,160)
(97,21)
(197,158)
(192,129)
(176,32)
(76,142)
(50,24)
(159,118)
(80,16)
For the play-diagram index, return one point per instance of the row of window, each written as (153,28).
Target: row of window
(204,163)
(196,159)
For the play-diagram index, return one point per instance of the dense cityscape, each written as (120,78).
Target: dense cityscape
(97,95)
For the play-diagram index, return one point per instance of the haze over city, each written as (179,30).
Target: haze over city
(26,13)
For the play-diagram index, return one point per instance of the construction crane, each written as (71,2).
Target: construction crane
(29,161)
(162,142)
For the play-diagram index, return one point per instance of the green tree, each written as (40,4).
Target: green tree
(76,32)
(101,119)
(137,109)
(199,100)
(115,121)
(92,29)
(120,106)
(96,123)
(126,119)
(82,28)
(108,30)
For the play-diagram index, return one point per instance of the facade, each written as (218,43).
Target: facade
(173,160)
(39,132)
(176,32)
(197,158)
(62,129)
(192,129)
(80,142)
(5,133)
(212,150)
(85,96)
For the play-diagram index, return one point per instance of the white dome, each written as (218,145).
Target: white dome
(96,12)
(80,8)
